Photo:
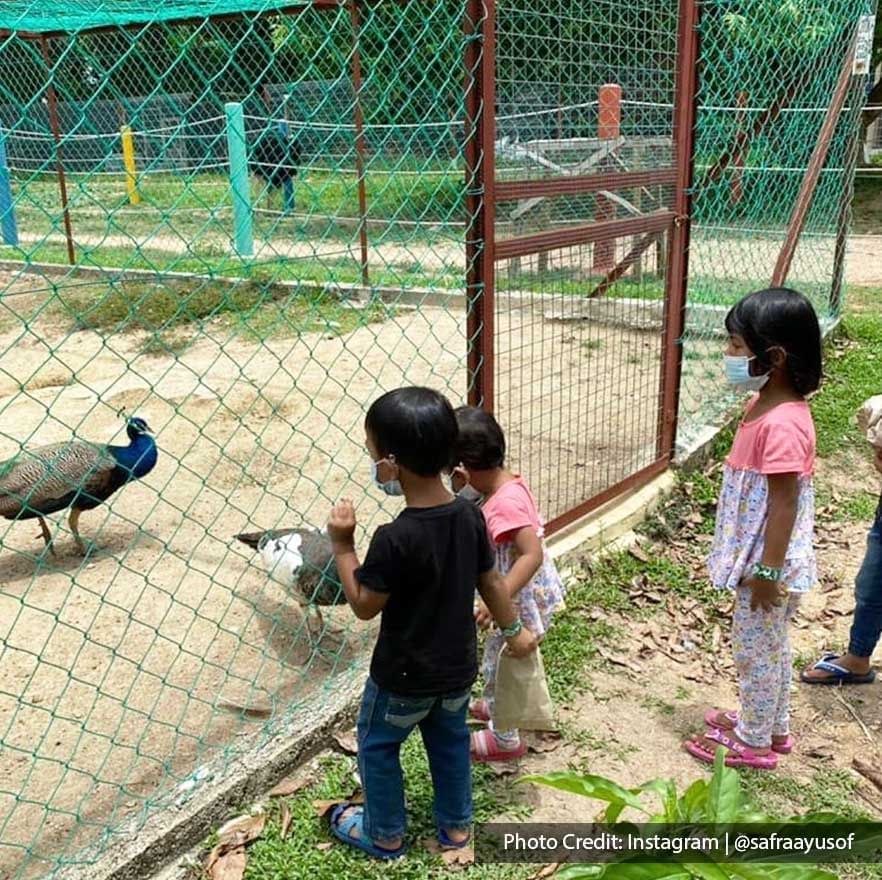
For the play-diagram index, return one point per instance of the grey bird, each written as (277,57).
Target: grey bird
(75,474)
(302,561)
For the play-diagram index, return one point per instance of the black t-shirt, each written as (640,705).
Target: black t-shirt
(428,560)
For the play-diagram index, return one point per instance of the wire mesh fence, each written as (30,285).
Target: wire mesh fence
(243,227)
(768,78)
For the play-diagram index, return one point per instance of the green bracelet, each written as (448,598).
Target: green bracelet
(510,632)
(767,573)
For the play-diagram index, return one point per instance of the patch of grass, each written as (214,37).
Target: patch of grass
(272,858)
(250,309)
(682,693)
(657,705)
(853,373)
(593,344)
(828,790)
(851,507)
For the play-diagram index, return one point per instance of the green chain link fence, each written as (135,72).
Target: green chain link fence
(767,75)
(156,263)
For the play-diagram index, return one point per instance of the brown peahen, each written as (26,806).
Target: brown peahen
(75,474)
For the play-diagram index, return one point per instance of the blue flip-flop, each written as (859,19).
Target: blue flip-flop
(447,841)
(838,674)
(355,820)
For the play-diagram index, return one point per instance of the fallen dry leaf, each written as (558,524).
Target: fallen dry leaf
(229,865)
(255,712)
(618,660)
(286,818)
(868,771)
(458,858)
(545,741)
(504,768)
(638,554)
(545,871)
(823,752)
(241,830)
(347,742)
(324,847)
(322,808)
(289,786)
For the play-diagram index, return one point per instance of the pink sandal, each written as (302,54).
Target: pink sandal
(486,748)
(480,711)
(711,719)
(739,755)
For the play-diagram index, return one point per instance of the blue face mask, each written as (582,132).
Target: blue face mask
(738,374)
(467,493)
(390,487)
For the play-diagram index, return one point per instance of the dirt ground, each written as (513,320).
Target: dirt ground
(643,739)
(117,669)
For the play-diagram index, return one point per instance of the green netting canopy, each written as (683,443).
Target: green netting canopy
(53,16)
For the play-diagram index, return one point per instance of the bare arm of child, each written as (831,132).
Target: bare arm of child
(498,601)
(783,501)
(529,557)
(366,604)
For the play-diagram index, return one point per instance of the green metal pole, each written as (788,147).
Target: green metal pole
(239,181)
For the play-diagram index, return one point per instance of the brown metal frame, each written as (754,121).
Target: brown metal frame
(609,230)
(678,246)
(480,162)
(360,146)
(510,190)
(55,125)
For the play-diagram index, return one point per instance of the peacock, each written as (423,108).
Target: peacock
(302,561)
(75,474)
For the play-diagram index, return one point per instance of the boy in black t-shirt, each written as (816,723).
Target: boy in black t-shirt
(420,572)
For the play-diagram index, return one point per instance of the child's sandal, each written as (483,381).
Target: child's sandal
(480,711)
(739,755)
(486,748)
(715,717)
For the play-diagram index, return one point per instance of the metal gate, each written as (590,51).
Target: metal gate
(578,236)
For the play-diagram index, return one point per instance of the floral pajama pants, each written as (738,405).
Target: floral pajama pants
(492,649)
(761,645)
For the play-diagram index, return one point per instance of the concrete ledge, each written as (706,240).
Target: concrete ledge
(613,520)
(140,850)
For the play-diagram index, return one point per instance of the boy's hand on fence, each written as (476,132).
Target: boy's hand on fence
(523,644)
(877,458)
(483,617)
(765,594)
(341,525)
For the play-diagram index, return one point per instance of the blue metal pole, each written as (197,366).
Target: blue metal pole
(7,208)
(240,184)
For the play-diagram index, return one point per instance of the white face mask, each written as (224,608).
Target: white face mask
(390,487)
(738,373)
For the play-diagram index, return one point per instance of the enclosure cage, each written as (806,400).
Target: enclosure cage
(243,220)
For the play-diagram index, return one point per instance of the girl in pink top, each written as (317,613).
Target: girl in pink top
(516,533)
(763,545)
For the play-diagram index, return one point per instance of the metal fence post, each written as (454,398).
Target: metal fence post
(480,161)
(678,262)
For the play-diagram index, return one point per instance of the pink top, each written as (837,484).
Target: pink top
(510,509)
(781,441)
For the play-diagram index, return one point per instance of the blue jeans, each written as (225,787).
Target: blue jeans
(867,625)
(384,723)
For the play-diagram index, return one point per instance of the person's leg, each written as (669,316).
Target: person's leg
(757,649)
(781,725)
(446,737)
(384,723)
(492,648)
(866,627)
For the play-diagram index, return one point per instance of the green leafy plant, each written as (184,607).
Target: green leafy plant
(715,801)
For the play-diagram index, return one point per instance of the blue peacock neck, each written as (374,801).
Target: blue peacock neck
(138,458)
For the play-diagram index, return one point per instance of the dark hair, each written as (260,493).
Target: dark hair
(781,318)
(481,443)
(417,426)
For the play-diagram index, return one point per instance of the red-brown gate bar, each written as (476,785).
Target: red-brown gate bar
(480,169)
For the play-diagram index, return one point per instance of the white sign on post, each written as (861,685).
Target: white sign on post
(863,53)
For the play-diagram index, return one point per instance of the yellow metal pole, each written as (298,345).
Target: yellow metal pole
(128,148)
